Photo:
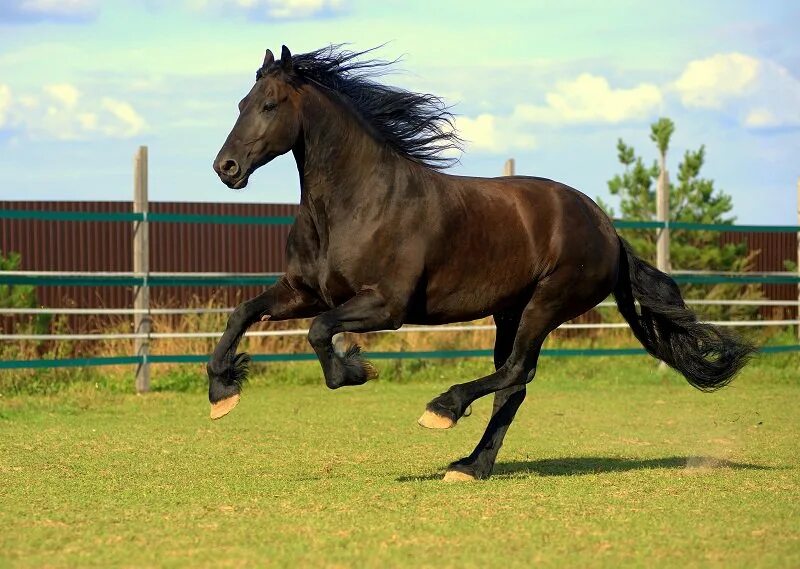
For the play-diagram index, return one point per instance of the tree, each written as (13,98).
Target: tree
(15,296)
(20,296)
(693,199)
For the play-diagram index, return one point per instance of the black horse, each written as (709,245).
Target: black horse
(384,238)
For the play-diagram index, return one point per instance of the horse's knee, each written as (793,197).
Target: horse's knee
(319,333)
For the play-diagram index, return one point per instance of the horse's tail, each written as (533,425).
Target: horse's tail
(706,355)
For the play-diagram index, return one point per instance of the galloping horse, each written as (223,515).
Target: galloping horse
(384,238)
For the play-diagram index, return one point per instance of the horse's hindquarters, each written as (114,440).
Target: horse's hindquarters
(494,240)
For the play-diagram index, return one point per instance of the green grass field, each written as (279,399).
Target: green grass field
(610,462)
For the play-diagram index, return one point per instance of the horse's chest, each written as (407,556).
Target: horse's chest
(337,265)
(332,286)
(325,275)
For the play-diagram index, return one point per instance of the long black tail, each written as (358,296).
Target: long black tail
(706,355)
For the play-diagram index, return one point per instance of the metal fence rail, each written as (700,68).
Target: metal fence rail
(184,311)
(57,278)
(404,329)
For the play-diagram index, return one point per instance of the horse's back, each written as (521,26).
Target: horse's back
(555,215)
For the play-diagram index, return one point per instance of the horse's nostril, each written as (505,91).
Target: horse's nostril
(229,167)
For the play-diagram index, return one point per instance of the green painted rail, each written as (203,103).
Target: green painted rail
(736,279)
(297,357)
(690,226)
(70,215)
(220,219)
(122,280)
(154,217)
(735,228)
(625,224)
(288,220)
(167,281)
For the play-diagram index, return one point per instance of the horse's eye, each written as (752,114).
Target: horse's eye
(269,106)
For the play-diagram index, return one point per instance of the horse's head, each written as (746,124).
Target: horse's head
(268,123)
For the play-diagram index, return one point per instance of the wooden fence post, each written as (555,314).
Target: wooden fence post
(508,167)
(662,214)
(141,267)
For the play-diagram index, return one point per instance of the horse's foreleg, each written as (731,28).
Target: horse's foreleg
(368,311)
(227,370)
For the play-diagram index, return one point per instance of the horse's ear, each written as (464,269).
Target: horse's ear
(286,59)
(269,59)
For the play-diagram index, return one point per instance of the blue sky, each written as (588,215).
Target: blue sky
(553,84)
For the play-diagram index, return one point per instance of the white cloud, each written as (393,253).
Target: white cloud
(5,104)
(61,112)
(761,118)
(88,121)
(60,7)
(591,99)
(272,9)
(587,99)
(495,134)
(64,93)
(758,93)
(301,8)
(58,10)
(707,83)
(127,121)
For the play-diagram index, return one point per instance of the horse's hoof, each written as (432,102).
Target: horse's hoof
(431,420)
(458,476)
(222,408)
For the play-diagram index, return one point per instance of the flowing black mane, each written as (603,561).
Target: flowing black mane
(417,125)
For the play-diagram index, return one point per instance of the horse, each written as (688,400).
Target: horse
(385,237)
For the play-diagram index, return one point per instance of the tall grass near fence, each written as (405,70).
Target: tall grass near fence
(190,376)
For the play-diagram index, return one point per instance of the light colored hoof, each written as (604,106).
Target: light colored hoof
(431,420)
(222,408)
(458,476)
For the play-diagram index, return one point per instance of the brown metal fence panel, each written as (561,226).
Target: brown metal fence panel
(198,247)
(773,249)
(174,247)
(71,246)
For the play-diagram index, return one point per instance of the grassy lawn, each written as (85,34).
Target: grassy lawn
(609,462)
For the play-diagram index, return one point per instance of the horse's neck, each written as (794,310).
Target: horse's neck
(336,157)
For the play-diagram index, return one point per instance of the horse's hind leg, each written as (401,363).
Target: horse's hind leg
(552,303)
(479,464)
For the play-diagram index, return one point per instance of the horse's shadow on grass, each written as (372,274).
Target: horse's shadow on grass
(581,466)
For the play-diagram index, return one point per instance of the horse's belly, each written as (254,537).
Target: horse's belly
(462,299)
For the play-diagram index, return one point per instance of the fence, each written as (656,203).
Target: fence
(88,244)
(142,280)
(91,245)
